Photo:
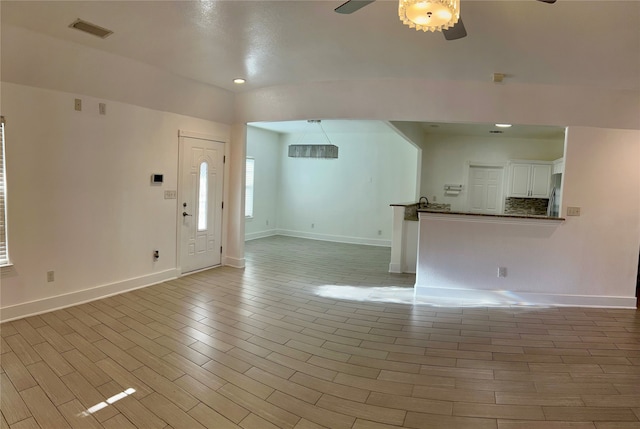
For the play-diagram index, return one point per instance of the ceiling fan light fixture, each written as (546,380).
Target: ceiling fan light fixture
(429,15)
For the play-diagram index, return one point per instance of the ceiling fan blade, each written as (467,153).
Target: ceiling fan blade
(456,32)
(548,1)
(352,5)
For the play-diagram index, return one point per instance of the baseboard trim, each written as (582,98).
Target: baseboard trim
(260,234)
(499,298)
(335,238)
(234,262)
(58,302)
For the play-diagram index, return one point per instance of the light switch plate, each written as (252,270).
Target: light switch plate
(573,211)
(170,195)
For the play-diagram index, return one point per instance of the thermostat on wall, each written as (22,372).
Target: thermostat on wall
(156,179)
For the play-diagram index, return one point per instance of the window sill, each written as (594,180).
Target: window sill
(248,218)
(7,270)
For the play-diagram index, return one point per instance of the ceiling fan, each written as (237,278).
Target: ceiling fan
(457,31)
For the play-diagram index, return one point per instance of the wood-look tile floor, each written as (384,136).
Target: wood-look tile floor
(259,349)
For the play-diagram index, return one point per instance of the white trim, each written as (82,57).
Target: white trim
(201,136)
(260,234)
(335,238)
(395,268)
(57,302)
(498,298)
(234,262)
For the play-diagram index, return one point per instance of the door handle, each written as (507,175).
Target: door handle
(185,214)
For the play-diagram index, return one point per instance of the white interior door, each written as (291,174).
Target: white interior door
(200,203)
(485,189)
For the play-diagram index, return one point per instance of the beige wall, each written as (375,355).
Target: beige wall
(80,201)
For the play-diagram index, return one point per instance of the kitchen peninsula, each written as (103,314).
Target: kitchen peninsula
(404,237)
(470,259)
(478,259)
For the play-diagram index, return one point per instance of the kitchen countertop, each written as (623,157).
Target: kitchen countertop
(508,216)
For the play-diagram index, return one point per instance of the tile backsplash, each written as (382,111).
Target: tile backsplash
(526,206)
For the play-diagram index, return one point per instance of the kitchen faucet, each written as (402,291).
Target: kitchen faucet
(425,204)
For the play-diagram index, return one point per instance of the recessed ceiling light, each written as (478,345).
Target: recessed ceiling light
(503,125)
(239,80)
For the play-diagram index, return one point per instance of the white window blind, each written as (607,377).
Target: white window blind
(4,257)
(248,191)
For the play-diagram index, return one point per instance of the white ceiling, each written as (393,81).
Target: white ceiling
(571,43)
(581,43)
(330,127)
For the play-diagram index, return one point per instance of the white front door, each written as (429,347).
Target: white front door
(200,203)
(485,189)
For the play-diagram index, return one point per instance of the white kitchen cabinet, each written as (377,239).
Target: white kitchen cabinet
(531,179)
(558,166)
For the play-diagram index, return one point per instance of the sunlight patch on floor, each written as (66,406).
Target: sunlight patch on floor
(108,401)
(406,295)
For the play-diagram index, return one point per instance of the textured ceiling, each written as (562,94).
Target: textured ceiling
(581,43)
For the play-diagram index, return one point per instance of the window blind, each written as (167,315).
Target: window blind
(3,216)
(248,191)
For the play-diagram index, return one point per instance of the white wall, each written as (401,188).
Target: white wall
(264,147)
(80,201)
(445,160)
(35,60)
(347,199)
(587,260)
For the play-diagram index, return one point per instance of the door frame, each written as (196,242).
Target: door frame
(225,192)
(467,176)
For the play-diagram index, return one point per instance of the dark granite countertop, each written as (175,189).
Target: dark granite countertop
(411,209)
(511,216)
(404,204)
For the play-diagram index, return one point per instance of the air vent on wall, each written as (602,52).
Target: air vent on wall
(90,28)
(313,151)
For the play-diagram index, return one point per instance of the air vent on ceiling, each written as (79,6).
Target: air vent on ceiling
(90,28)
(327,151)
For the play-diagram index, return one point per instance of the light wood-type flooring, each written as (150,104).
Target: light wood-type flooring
(259,348)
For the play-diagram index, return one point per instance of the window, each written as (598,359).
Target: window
(203,194)
(248,190)
(4,255)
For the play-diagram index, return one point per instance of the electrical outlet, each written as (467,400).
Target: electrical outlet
(78,104)
(267,222)
(379,232)
(102,108)
(50,276)
(434,199)
(313,225)
(573,211)
(502,271)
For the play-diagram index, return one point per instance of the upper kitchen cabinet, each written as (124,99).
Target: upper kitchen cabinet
(558,166)
(529,179)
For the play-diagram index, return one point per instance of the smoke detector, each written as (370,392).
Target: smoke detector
(87,27)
